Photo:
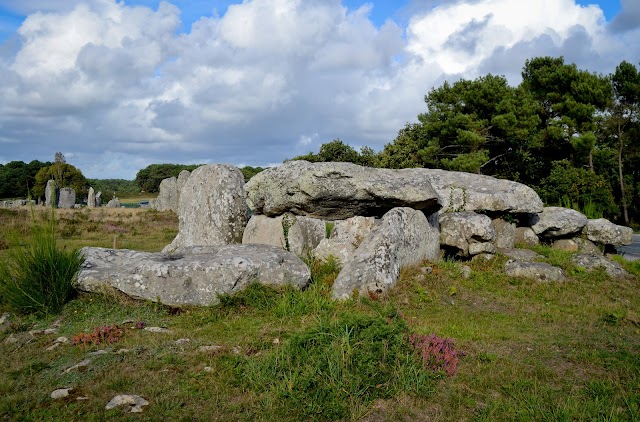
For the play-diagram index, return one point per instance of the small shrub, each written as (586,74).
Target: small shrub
(437,353)
(107,334)
(38,276)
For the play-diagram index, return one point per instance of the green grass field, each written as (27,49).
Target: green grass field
(532,351)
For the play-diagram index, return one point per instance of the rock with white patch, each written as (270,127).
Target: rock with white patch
(336,191)
(130,402)
(592,262)
(467,233)
(604,232)
(538,271)
(193,275)
(404,237)
(555,222)
(212,208)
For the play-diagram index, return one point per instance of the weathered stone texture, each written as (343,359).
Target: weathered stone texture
(193,275)
(605,232)
(557,222)
(403,238)
(468,232)
(66,198)
(337,191)
(538,271)
(212,209)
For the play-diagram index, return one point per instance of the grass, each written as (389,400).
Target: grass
(532,351)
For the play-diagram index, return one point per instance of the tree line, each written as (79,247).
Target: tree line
(572,135)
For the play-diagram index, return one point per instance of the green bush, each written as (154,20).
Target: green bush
(37,276)
(336,369)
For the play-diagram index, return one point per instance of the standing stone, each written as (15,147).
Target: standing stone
(167,199)
(263,230)
(403,238)
(91,198)
(467,232)
(212,208)
(505,233)
(51,194)
(66,198)
(334,191)
(99,199)
(114,203)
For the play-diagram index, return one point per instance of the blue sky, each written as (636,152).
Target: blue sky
(116,86)
(12,15)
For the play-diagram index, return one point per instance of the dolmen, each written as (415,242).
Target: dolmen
(373,222)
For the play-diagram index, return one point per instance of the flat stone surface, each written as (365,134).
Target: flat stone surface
(592,262)
(557,222)
(191,276)
(539,271)
(337,191)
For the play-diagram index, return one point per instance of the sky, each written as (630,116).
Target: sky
(118,85)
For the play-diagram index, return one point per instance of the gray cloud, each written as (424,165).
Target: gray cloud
(628,18)
(269,80)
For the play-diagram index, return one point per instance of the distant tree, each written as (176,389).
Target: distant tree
(337,150)
(18,178)
(148,179)
(248,172)
(65,175)
(118,187)
(621,122)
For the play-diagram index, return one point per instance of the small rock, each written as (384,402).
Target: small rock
(80,365)
(132,402)
(158,330)
(98,352)
(210,349)
(208,369)
(466,271)
(50,331)
(53,346)
(62,340)
(121,351)
(11,339)
(426,270)
(181,341)
(236,350)
(60,393)
(276,341)
(127,321)
(82,398)
(57,323)
(4,318)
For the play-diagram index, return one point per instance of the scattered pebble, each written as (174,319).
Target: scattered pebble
(210,349)
(4,318)
(121,351)
(208,369)
(466,271)
(158,330)
(236,350)
(82,398)
(82,364)
(276,341)
(60,393)
(43,332)
(58,342)
(127,321)
(182,341)
(132,402)
(426,270)
(98,352)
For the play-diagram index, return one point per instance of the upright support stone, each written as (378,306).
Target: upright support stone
(99,199)
(66,198)
(51,194)
(91,198)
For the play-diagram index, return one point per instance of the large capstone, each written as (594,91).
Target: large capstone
(403,238)
(212,208)
(192,276)
(337,191)
(460,191)
(605,232)
(557,222)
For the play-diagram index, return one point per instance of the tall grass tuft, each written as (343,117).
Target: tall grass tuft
(37,276)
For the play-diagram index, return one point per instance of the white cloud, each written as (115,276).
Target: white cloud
(119,88)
